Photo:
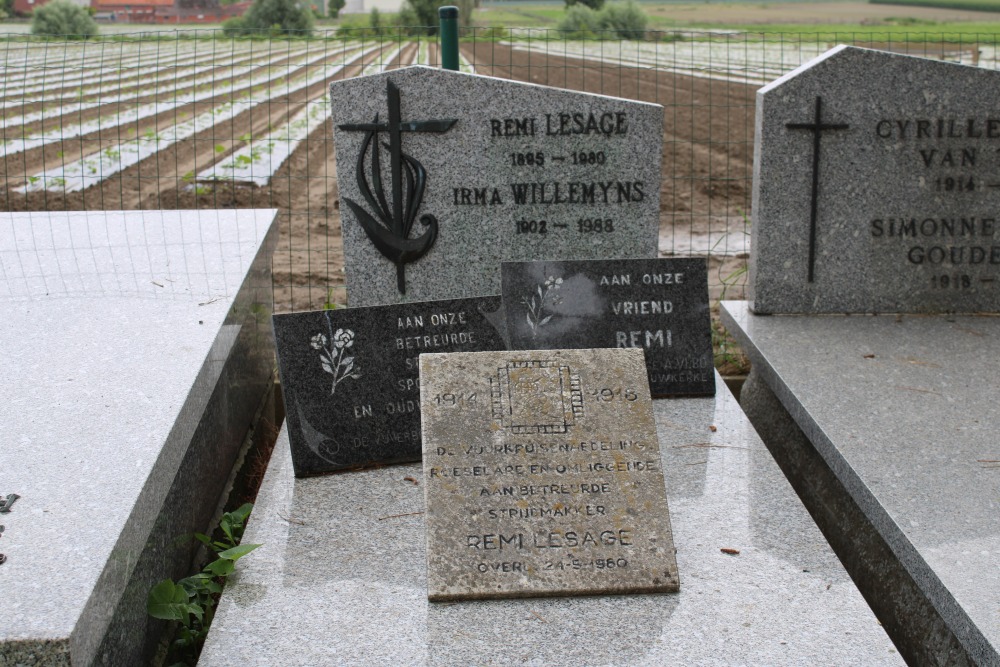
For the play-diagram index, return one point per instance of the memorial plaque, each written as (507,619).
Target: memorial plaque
(350,376)
(542,475)
(660,305)
(876,187)
(443,174)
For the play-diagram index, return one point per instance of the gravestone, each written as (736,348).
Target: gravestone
(542,476)
(660,305)
(876,187)
(350,376)
(491,170)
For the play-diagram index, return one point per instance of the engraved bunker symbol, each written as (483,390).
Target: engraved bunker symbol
(536,397)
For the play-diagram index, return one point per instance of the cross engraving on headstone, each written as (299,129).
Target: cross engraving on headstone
(390,233)
(816,127)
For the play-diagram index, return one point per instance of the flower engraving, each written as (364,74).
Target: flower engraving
(334,357)
(536,305)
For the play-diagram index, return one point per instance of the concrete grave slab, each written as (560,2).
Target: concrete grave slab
(352,546)
(442,175)
(542,476)
(137,350)
(876,187)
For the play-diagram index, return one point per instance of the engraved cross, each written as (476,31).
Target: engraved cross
(816,127)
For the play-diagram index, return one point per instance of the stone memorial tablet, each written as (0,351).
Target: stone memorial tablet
(443,174)
(542,476)
(876,187)
(350,377)
(660,305)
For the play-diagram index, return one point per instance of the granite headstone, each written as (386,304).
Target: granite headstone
(443,174)
(876,187)
(660,305)
(542,476)
(350,376)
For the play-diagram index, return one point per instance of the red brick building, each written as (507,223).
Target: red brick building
(151,11)
(25,7)
(167,11)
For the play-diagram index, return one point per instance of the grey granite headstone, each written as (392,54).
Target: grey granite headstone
(442,175)
(542,476)
(876,187)
(350,378)
(660,305)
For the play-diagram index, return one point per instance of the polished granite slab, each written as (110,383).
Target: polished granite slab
(903,411)
(136,348)
(341,578)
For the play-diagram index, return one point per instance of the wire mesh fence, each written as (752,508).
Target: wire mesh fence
(168,120)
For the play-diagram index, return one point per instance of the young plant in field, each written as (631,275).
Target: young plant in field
(330,304)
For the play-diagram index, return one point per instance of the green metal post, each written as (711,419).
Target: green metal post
(449,37)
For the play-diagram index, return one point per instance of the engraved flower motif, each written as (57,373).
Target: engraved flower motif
(332,354)
(536,315)
(343,338)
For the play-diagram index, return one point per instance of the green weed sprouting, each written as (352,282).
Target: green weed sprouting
(191,601)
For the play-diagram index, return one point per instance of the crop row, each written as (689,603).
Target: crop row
(270,77)
(94,168)
(257,161)
(754,63)
(217,78)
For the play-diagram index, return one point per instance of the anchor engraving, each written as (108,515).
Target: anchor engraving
(389,228)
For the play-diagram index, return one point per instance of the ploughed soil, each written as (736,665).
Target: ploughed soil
(707,164)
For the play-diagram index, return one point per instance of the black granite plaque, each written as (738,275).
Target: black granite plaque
(660,305)
(350,376)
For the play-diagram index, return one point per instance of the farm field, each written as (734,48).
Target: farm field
(166,124)
(810,17)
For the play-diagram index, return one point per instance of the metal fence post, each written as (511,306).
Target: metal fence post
(449,37)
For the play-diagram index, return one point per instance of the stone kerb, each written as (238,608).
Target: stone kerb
(136,354)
